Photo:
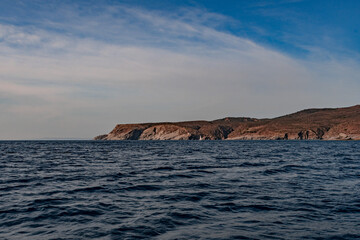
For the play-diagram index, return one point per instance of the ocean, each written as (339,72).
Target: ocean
(179,190)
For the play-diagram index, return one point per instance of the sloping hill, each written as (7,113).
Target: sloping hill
(326,124)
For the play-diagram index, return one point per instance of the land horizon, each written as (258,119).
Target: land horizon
(308,124)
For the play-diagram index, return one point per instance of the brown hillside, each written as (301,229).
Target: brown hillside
(326,124)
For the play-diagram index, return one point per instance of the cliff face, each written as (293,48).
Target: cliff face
(325,124)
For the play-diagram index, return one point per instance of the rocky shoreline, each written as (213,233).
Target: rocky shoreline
(310,124)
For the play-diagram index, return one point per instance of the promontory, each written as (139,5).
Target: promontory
(309,124)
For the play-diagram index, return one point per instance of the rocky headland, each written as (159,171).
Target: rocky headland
(310,124)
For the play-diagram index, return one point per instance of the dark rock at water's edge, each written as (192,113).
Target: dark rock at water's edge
(310,124)
(101,137)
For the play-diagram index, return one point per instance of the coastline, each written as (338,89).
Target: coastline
(309,124)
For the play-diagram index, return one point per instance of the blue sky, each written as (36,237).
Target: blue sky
(77,68)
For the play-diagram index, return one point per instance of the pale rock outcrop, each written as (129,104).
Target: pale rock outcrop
(165,132)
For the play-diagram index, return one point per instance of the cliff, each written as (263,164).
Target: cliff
(324,124)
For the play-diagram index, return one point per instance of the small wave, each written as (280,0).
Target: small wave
(164,168)
(186,216)
(252,164)
(87,189)
(143,188)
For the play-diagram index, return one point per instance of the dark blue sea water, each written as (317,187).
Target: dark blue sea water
(179,190)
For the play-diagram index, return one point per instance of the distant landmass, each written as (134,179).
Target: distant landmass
(312,124)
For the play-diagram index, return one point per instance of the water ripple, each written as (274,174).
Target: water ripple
(179,190)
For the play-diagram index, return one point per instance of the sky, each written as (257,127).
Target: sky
(75,69)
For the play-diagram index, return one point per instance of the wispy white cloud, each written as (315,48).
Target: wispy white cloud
(133,65)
